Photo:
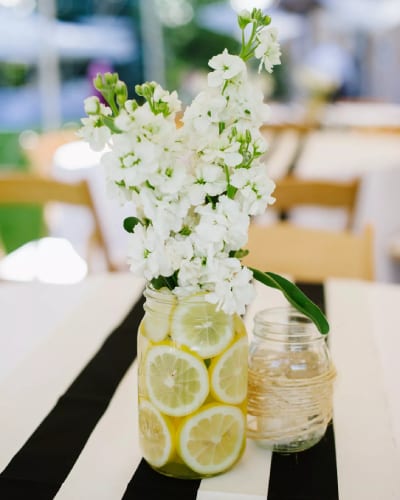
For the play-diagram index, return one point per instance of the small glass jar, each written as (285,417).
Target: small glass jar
(290,381)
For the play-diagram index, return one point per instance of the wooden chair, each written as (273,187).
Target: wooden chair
(306,254)
(40,149)
(292,192)
(310,255)
(28,189)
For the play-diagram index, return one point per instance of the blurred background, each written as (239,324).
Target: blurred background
(340,73)
(50,50)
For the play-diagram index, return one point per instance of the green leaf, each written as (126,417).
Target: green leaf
(231,191)
(165,281)
(239,254)
(295,296)
(130,223)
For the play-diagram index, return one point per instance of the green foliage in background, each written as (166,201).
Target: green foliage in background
(190,47)
(18,225)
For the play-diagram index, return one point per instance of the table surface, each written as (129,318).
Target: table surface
(51,335)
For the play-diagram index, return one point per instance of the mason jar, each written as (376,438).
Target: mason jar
(192,385)
(290,381)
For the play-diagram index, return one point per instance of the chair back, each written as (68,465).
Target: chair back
(28,189)
(292,192)
(40,150)
(310,255)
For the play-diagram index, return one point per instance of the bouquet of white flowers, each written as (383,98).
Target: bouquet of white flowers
(194,180)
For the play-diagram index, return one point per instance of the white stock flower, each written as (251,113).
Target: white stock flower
(169,179)
(146,253)
(226,67)
(236,223)
(209,180)
(257,193)
(233,288)
(190,276)
(174,104)
(204,112)
(124,121)
(268,50)
(179,250)
(94,132)
(222,149)
(91,105)
(193,187)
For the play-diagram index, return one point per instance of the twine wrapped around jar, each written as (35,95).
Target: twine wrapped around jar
(283,405)
(290,382)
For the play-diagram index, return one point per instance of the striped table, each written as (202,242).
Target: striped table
(68,415)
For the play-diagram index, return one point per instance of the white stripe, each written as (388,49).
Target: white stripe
(112,452)
(30,392)
(248,480)
(368,461)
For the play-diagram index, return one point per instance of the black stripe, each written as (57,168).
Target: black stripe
(147,484)
(38,470)
(311,474)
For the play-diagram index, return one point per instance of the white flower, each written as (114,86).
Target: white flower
(124,121)
(179,250)
(204,114)
(236,223)
(174,104)
(137,250)
(268,50)
(92,105)
(210,180)
(193,188)
(208,235)
(94,132)
(147,255)
(256,193)
(190,274)
(226,67)
(233,288)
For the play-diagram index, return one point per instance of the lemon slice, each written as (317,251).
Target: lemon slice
(211,440)
(229,373)
(198,325)
(156,321)
(155,434)
(177,381)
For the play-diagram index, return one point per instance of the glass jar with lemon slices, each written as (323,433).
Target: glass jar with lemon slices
(192,386)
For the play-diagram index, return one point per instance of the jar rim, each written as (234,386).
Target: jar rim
(166,295)
(284,320)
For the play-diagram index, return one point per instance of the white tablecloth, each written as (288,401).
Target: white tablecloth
(64,325)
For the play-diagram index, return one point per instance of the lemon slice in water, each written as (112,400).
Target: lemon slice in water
(211,440)
(229,373)
(156,321)
(198,325)
(156,435)
(177,381)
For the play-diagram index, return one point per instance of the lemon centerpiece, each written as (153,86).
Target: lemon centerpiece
(194,180)
(192,385)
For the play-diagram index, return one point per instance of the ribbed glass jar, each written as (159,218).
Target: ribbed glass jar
(290,381)
(192,381)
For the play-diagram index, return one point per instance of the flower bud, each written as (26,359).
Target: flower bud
(92,105)
(111,78)
(98,82)
(121,93)
(244,18)
(131,105)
